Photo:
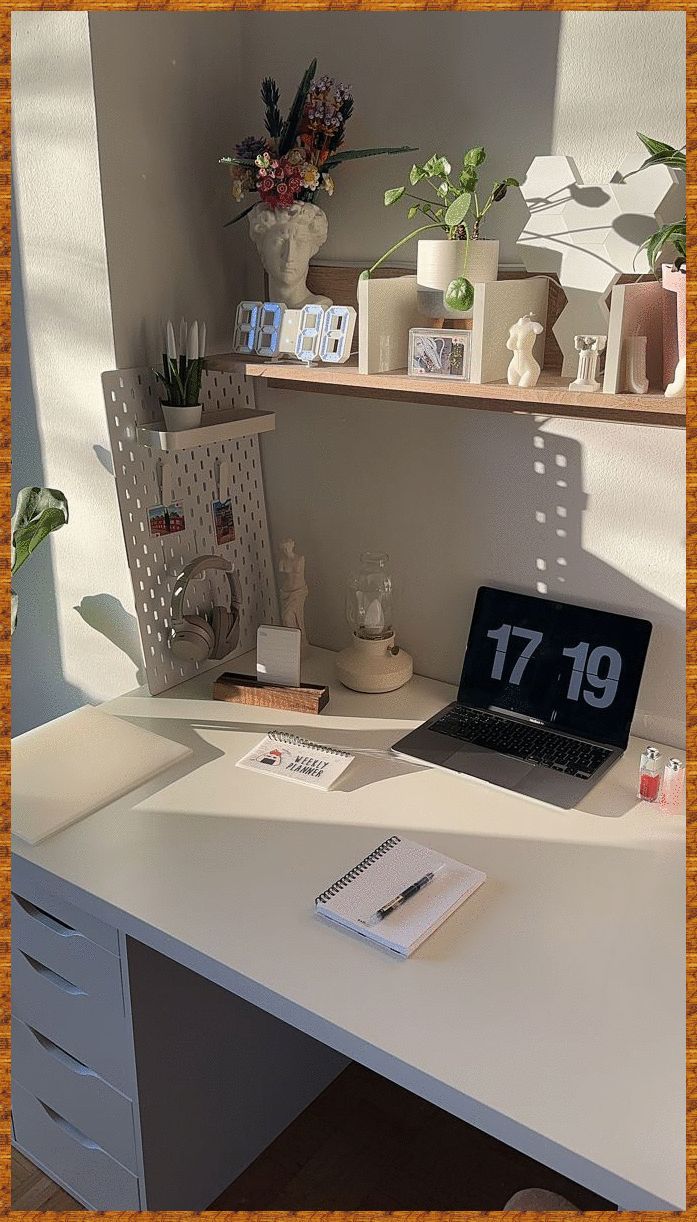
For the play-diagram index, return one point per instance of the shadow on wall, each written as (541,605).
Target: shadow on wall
(463,498)
(39,690)
(108,616)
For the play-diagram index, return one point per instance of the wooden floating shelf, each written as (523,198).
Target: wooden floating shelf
(551,396)
(214,426)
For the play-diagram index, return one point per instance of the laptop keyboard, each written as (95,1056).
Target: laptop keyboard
(523,741)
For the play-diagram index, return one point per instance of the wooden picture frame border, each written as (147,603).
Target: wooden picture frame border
(397,6)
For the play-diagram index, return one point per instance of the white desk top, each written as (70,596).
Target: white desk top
(549,1010)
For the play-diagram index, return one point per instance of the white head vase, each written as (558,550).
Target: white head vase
(286,239)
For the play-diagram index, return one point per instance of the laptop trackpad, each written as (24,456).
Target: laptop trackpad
(489,765)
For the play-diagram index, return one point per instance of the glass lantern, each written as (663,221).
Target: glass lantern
(369,598)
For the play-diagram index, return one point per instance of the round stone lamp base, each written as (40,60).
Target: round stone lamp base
(374,666)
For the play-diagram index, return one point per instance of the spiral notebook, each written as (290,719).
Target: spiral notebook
(395,865)
(297,759)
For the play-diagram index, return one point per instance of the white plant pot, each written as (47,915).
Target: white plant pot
(439,261)
(177,418)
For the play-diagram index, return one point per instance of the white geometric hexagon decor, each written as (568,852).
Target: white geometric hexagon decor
(588,235)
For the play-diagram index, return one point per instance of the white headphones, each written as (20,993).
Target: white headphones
(195,638)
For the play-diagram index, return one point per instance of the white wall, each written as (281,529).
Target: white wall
(438,81)
(76,639)
(453,495)
(168,88)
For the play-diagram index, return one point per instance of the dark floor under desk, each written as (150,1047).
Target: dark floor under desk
(365,1144)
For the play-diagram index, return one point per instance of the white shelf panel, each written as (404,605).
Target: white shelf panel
(214,427)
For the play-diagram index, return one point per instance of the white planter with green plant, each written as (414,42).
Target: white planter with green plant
(181,376)
(448,267)
(673,275)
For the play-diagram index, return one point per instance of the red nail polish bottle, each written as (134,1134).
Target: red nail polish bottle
(650,775)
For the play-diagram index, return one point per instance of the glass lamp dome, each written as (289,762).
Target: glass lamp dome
(369,598)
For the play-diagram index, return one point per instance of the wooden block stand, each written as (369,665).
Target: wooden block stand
(246,689)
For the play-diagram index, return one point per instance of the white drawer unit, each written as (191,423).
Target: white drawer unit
(70,989)
(81,1023)
(71,1156)
(65,950)
(41,895)
(74,1091)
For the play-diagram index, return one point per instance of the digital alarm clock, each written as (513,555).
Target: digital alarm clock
(313,333)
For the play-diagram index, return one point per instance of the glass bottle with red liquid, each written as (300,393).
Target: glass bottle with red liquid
(650,775)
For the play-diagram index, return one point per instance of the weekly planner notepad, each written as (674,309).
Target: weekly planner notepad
(296,759)
(393,868)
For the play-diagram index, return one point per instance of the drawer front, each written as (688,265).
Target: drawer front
(74,1091)
(83,1024)
(64,949)
(74,1158)
(26,883)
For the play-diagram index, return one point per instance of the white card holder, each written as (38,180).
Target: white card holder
(278,655)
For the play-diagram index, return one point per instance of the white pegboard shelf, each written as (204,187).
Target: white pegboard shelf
(214,427)
(194,470)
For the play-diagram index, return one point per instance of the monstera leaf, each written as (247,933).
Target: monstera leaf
(38,511)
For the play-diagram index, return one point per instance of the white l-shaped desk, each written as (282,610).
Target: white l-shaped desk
(548,1011)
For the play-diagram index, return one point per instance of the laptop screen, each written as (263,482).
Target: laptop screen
(570,667)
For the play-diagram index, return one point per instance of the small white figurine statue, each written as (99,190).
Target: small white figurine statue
(635,379)
(589,348)
(292,587)
(286,239)
(523,370)
(677,386)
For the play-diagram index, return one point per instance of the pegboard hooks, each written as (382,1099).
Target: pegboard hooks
(222,479)
(164,481)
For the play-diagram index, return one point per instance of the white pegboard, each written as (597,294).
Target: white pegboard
(132,401)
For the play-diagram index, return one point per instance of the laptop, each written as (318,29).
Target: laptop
(546,698)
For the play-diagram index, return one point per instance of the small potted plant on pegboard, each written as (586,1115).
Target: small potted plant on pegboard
(181,376)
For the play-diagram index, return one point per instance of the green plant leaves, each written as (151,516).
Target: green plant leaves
(459,294)
(392,195)
(500,189)
(474,157)
(239,216)
(411,212)
(662,154)
(457,211)
(468,178)
(676,160)
(38,511)
(289,130)
(272,115)
(354,154)
(675,233)
(437,167)
(416,174)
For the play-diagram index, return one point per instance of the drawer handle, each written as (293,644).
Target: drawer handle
(48,974)
(69,1128)
(45,918)
(59,1054)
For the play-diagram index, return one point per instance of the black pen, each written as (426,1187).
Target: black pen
(402,897)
